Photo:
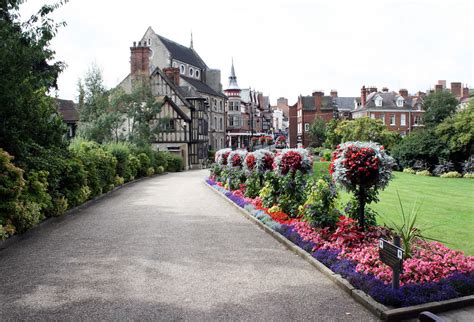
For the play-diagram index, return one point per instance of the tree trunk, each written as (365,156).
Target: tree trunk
(362,207)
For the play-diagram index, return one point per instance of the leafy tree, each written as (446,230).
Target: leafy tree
(317,131)
(332,138)
(438,106)
(456,133)
(28,116)
(421,145)
(366,129)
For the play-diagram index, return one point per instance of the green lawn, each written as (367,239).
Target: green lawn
(447,206)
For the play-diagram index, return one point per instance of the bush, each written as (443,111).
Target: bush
(145,164)
(160,170)
(120,151)
(60,205)
(134,167)
(150,171)
(74,182)
(424,173)
(118,181)
(320,206)
(409,170)
(442,168)
(175,163)
(469,176)
(451,174)
(159,160)
(211,154)
(468,166)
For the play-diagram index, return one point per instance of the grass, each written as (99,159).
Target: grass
(447,211)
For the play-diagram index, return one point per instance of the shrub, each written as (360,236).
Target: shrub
(120,151)
(36,191)
(160,170)
(252,185)
(468,166)
(145,164)
(211,155)
(119,181)
(74,182)
(469,176)
(442,168)
(320,206)
(292,194)
(451,174)
(159,160)
(352,211)
(175,162)
(60,205)
(150,171)
(26,215)
(134,167)
(409,170)
(424,173)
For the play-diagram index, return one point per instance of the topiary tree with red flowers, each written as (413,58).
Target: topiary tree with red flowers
(362,168)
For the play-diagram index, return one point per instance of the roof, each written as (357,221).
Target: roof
(183,53)
(202,87)
(68,111)
(389,100)
(345,103)
(327,103)
(164,98)
(308,102)
(232,78)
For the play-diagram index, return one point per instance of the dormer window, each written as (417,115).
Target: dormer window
(378,101)
(400,102)
(191,71)
(196,73)
(182,69)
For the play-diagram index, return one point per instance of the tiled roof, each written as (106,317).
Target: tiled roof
(201,87)
(345,103)
(67,109)
(308,102)
(327,103)
(388,101)
(183,53)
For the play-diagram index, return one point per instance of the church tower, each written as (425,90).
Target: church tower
(233,93)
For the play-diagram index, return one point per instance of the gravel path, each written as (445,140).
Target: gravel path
(166,248)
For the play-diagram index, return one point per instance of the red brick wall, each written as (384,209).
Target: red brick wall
(292,130)
(139,60)
(456,89)
(402,129)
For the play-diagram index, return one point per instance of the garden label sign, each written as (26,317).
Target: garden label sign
(392,255)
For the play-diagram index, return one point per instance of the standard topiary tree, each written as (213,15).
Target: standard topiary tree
(362,168)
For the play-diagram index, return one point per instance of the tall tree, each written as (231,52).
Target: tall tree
(438,106)
(317,131)
(28,117)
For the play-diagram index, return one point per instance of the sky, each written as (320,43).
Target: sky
(283,48)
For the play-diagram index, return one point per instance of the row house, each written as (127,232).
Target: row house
(184,112)
(248,113)
(462,93)
(194,74)
(400,112)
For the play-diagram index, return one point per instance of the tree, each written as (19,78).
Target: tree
(438,106)
(456,133)
(332,138)
(366,129)
(317,131)
(28,117)
(421,145)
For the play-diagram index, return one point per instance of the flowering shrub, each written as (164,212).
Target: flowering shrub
(280,142)
(362,168)
(263,160)
(250,162)
(320,206)
(221,156)
(290,160)
(235,159)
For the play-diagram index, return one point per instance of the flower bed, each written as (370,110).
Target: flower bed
(433,273)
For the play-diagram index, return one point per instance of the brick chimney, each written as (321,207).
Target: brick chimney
(318,98)
(438,88)
(363,96)
(421,94)
(403,92)
(443,83)
(385,89)
(173,74)
(465,92)
(456,89)
(372,89)
(333,93)
(139,59)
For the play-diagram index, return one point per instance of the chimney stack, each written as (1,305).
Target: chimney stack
(363,96)
(438,88)
(173,74)
(465,92)
(318,99)
(456,89)
(385,89)
(403,92)
(443,83)
(333,93)
(372,89)
(139,60)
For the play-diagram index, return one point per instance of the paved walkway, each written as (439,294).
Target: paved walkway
(166,248)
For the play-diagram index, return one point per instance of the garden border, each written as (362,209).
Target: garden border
(378,309)
(4,244)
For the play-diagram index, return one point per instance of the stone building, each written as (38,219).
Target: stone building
(193,74)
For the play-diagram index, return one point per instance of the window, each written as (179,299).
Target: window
(220,124)
(392,119)
(417,120)
(403,119)
(215,123)
(372,116)
(300,128)
(196,73)
(306,127)
(378,101)
(182,69)
(191,71)
(175,64)
(400,102)
(237,106)
(382,117)
(220,106)
(231,121)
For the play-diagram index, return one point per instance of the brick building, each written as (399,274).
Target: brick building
(400,112)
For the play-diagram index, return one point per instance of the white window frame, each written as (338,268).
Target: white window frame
(400,102)
(306,127)
(403,119)
(382,117)
(300,128)
(196,73)
(182,69)
(393,118)
(378,101)
(372,116)
(191,71)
